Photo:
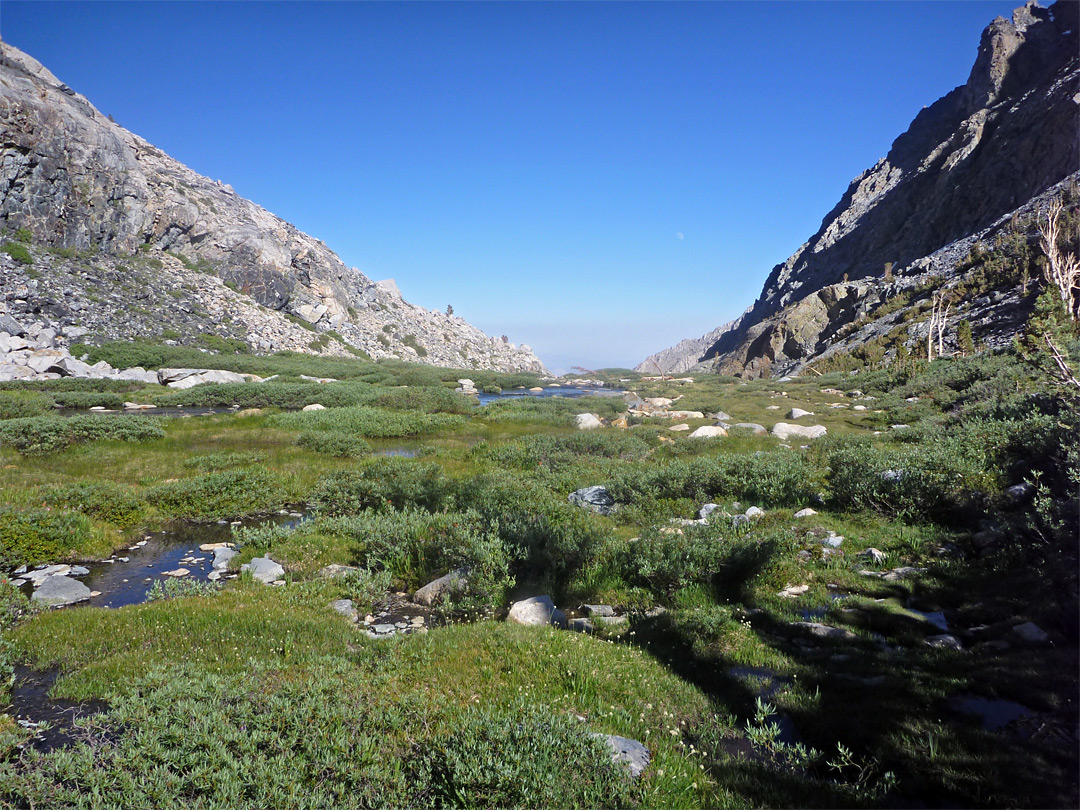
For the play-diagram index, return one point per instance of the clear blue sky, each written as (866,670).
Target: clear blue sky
(598,180)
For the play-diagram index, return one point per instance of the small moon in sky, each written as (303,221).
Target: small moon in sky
(679,235)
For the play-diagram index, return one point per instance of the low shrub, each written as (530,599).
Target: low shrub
(39,535)
(380,484)
(18,252)
(415,547)
(88,399)
(114,503)
(14,605)
(176,588)
(370,422)
(550,410)
(770,479)
(21,404)
(544,535)
(40,435)
(334,443)
(521,756)
(232,493)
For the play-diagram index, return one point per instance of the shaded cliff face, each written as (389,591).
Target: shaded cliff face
(82,184)
(972,157)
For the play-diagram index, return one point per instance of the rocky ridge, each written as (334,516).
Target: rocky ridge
(981,155)
(127,242)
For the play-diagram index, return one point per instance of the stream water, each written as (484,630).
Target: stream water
(127,576)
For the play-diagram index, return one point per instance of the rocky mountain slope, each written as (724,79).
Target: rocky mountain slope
(971,161)
(123,241)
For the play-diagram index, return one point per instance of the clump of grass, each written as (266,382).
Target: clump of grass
(39,535)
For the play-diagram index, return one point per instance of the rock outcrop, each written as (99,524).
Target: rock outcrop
(980,162)
(127,242)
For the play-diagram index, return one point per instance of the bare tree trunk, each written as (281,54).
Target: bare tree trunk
(1062,270)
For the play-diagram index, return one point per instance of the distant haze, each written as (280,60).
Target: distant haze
(595,180)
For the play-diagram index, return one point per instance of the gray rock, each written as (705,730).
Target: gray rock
(59,590)
(345,608)
(1019,494)
(264,569)
(826,631)
(11,326)
(708,432)
(535,612)
(580,626)
(782,430)
(944,641)
(798,413)
(629,753)
(598,610)
(454,582)
(808,512)
(754,512)
(706,510)
(222,557)
(595,498)
(875,555)
(1029,631)
(587,421)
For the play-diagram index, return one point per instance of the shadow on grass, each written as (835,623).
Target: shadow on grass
(891,699)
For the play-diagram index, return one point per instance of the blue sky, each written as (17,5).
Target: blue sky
(598,180)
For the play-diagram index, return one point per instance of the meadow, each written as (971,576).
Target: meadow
(769,660)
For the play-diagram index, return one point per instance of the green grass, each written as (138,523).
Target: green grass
(264,696)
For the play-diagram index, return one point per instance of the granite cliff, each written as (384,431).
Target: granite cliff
(127,242)
(968,170)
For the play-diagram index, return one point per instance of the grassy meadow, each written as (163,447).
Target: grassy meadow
(763,662)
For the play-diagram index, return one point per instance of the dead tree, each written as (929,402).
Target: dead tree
(1061,269)
(939,314)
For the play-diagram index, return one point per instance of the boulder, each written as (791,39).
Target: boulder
(594,611)
(793,591)
(314,406)
(59,590)
(944,641)
(11,326)
(345,608)
(679,414)
(1019,494)
(454,582)
(1029,631)
(171,375)
(875,555)
(808,512)
(70,367)
(264,569)
(9,372)
(826,631)
(706,510)
(754,512)
(137,374)
(219,376)
(782,430)
(626,752)
(798,413)
(679,428)
(596,498)
(536,612)
(587,421)
(45,360)
(222,557)
(708,432)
